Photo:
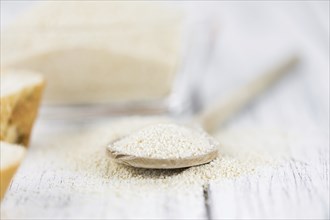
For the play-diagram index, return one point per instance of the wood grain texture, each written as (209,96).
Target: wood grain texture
(297,189)
(299,105)
(46,187)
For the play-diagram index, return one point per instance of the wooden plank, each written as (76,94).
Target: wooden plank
(291,191)
(49,185)
(298,106)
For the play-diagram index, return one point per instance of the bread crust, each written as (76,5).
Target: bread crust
(12,155)
(18,111)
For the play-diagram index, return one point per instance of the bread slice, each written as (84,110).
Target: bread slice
(11,157)
(98,51)
(19,101)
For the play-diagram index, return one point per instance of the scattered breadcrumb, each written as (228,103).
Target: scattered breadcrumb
(83,154)
(68,168)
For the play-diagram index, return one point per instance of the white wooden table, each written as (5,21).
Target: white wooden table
(244,35)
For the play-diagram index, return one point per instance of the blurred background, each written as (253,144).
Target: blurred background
(100,58)
(227,44)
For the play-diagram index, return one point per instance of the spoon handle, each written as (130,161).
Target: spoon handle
(215,115)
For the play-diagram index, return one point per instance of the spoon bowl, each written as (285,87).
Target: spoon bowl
(179,147)
(157,163)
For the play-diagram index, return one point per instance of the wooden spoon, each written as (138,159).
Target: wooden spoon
(208,120)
